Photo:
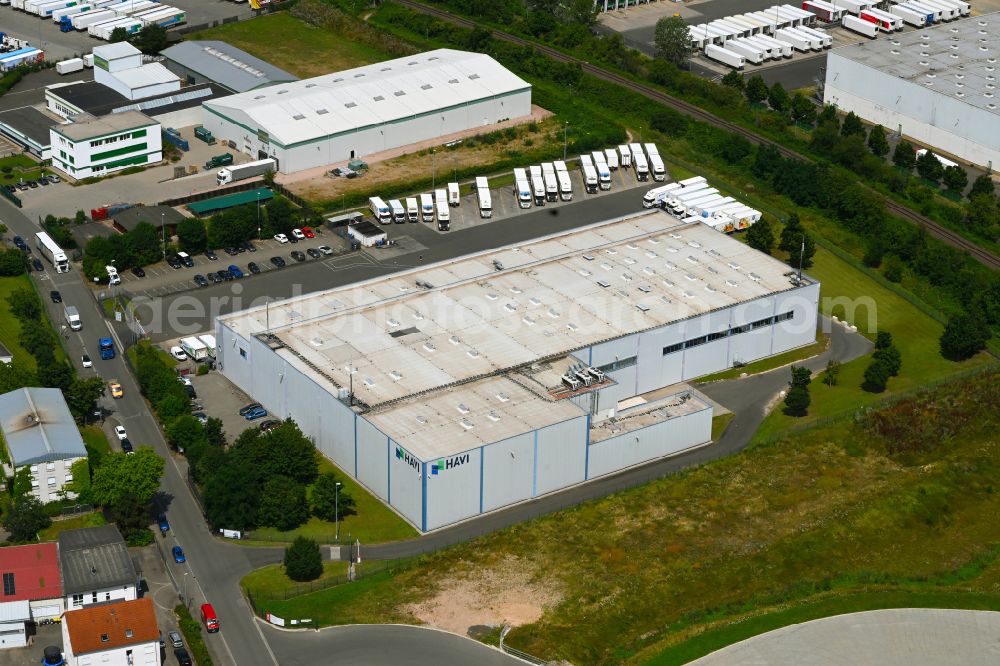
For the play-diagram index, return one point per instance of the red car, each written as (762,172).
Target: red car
(308,232)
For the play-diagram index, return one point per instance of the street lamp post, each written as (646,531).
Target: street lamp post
(336,510)
(163,234)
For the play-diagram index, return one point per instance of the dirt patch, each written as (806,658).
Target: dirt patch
(504,594)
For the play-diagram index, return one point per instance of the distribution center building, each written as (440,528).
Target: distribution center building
(936,85)
(462,387)
(351,114)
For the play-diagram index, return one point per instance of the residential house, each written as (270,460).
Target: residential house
(123,633)
(96,567)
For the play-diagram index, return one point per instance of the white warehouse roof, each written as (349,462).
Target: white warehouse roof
(384,92)
(432,327)
(145,75)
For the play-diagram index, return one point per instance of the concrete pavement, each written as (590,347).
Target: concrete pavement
(892,637)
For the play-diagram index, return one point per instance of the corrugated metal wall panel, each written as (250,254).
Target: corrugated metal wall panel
(507,471)
(561,453)
(453,493)
(656,441)
(373,458)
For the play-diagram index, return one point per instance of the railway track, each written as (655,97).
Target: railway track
(942,233)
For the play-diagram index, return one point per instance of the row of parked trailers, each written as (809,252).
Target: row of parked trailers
(861,15)
(101,17)
(764,22)
(695,201)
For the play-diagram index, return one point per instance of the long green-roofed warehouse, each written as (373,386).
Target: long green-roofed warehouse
(215,204)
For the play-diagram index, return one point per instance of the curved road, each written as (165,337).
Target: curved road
(893,637)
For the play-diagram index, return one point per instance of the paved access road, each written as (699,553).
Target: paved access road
(892,637)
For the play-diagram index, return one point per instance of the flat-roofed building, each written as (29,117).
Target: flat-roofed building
(456,389)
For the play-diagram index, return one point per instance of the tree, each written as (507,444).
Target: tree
(118,35)
(131,515)
(81,480)
(756,90)
(876,377)
(24,305)
(303,561)
(151,39)
(672,41)
(767,161)
(777,98)
(903,156)
(734,79)
(11,262)
(147,244)
(797,399)
(929,167)
(282,451)
(964,335)
(281,215)
(832,373)
(983,184)
(186,432)
(791,234)
(191,235)
(982,214)
(955,179)
(883,340)
(877,143)
(670,122)
(760,236)
(83,394)
(801,376)
(803,110)
(133,473)
(25,519)
(214,433)
(283,503)
(852,125)
(230,500)
(14,376)
(326,502)
(828,116)
(56,375)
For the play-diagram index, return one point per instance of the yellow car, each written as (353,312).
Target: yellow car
(116,390)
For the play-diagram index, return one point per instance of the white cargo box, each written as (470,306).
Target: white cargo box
(69,66)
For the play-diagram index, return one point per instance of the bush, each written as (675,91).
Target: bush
(303,561)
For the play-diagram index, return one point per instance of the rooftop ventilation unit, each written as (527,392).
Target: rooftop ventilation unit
(571,381)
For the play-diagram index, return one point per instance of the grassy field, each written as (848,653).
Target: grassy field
(92,519)
(719,425)
(825,517)
(22,168)
(773,362)
(914,333)
(374,522)
(10,327)
(271,581)
(284,40)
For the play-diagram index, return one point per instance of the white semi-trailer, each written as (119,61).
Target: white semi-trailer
(52,252)
(603,172)
(565,182)
(426,207)
(551,182)
(725,56)
(909,16)
(483,195)
(753,54)
(860,26)
(589,174)
(537,184)
(611,158)
(398,212)
(83,20)
(639,162)
(231,174)
(194,348)
(624,156)
(443,213)
(797,40)
(412,210)
(825,40)
(657,195)
(522,189)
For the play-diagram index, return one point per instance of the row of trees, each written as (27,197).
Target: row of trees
(796,107)
(795,241)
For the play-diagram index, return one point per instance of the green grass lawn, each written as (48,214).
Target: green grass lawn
(374,522)
(874,308)
(773,362)
(271,582)
(22,167)
(10,327)
(92,519)
(719,425)
(96,442)
(296,46)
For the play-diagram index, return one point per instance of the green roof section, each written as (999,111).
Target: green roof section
(230,201)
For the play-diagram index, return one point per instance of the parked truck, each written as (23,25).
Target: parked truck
(106,348)
(797,40)
(104,29)
(427,207)
(443,214)
(398,212)
(910,16)
(412,210)
(194,348)
(209,342)
(243,171)
(219,161)
(611,158)
(52,252)
(589,174)
(69,66)
(380,210)
(551,182)
(725,56)
(603,172)
(624,156)
(656,163)
(862,27)
(454,196)
(657,195)
(565,182)
(483,195)
(537,185)
(522,190)
(72,316)
(754,54)
(639,162)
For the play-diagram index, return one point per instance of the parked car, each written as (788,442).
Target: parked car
(298,234)
(314,253)
(178,554)
(32,184)
(174,261)
(253,268)
(86,362)
(138,272)
(325,249)
(184,380)
(278,261)
(43,181)
(161,520)
(232,251)
(21,187)
(308,232)
(190,391)
(175,639)
(249,408)
(20,244)
(235,271)
(54,178)
(256,413)
(211,254)
(127,446)
(182,656)
(178,353)
(214,278)
(117,392)
(55,296)
(37,265)
(202,417)
(281,238)
(248,246)
(298,256)
(201,280)
(120,432)
(269,425)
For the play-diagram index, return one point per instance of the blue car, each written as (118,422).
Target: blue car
(235,271)
(178,555)
(164,525)
(255,413)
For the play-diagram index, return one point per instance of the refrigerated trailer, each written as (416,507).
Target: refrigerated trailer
(777,46)
(909,15)
(82,20)
(55,255)
(795,39)
(443,213)
(751,52)
(825,40)
(852,6)
(380,210)
(483,195)
(104,30)
(589,174)
(915,7)
(933,12)
(639,162)
(711,208)
(692,182)
(611,158)
(537,184)
(551,183)
(885,22)
(949,12)
(658,195)
(165,18)
(732,29)
(625,156)
(770,52)
(129,8)
(522,190)
(725,56)
(963,7)
(427,207)
(823,10)
(412,209)
(860,26)
(753,26)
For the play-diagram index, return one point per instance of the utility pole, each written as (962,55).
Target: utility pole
(336,510)
(163,233)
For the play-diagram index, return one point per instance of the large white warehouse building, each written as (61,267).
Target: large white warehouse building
(358,112)
(937,85)
(459,388)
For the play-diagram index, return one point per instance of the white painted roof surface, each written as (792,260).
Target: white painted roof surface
(327,105)
(146,75)
(402,339)
(116,50)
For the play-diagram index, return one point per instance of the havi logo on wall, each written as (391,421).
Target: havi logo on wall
(450,463)
(407,458)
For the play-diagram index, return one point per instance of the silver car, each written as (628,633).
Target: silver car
(175,639)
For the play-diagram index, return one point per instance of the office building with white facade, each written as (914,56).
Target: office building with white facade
(101,146)
(463,387)
(936,85)
(41,434)
(351,114)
